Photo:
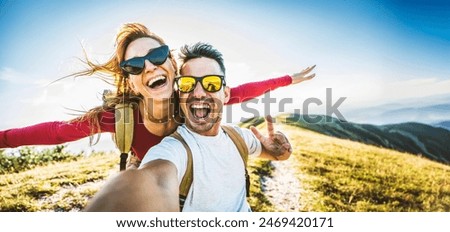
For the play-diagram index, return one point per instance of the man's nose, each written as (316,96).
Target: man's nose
(199,92)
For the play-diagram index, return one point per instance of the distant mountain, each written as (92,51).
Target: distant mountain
(426,114)
(416,138)
(444,124)
(388,114)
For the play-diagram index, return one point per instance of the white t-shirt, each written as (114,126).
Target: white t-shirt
(218,169)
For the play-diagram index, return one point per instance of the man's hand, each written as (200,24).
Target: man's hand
(276,146)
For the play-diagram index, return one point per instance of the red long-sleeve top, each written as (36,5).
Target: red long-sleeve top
(57,132)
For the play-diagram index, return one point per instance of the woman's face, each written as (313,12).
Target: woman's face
(155,81)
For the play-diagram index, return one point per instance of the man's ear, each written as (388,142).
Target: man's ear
(174,65)
(227,94)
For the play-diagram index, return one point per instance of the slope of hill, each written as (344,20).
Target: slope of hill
(330,175)
(415,138)
(60,186)
(342,175)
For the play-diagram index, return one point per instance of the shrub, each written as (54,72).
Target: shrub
(28,158)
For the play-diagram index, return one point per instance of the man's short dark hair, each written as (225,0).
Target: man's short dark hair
(201,49)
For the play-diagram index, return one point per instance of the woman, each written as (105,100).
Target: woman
(143,71)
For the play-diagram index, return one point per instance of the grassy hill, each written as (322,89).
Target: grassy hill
(415,138)
(335,175)
(57,186)
(342,175)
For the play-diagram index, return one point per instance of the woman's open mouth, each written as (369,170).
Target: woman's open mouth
(157,82)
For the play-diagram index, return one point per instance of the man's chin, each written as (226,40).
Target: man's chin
(199,123)
(200,126)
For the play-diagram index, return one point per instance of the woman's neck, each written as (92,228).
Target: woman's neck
(157,111)
(157,116)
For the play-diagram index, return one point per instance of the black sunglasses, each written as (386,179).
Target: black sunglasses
(210,83)
(136,65)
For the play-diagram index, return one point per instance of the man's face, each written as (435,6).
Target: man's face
(203,109)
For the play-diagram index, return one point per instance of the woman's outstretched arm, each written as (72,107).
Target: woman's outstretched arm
(251,90)
(53,133)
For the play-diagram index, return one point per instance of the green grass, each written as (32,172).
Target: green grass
(57,186)
(257,170)
(336,175)
(348,176)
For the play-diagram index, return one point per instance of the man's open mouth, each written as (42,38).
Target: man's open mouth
(200,110)
(157,82)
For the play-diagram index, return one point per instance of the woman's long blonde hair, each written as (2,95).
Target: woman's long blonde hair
(110,71)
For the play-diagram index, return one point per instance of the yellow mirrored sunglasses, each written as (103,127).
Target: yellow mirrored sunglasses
(210,83)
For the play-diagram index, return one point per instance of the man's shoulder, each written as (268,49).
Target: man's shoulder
(169,144)
(253,144)
(242,131)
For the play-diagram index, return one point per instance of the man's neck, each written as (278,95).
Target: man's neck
(211,132)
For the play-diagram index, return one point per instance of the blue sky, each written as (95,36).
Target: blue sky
(371,52)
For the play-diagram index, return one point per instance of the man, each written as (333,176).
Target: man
(218,176)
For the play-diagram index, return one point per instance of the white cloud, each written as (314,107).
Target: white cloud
(416,88)
(239,73)
(25,79)
(10,75)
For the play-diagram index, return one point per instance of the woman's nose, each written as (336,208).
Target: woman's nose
(149,66)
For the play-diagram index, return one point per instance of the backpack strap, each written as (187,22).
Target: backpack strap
(186,182)
(243,151)
(124,127)
(238,141)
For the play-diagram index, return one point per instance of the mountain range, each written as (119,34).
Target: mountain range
(412,137)
(392,113)
(443,124)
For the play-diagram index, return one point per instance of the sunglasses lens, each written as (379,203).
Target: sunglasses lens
(133,66)
(159,55)
(212,83)
(186,84)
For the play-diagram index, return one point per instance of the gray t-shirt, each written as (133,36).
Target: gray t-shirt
(219,174)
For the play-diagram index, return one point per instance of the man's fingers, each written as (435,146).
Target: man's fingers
(270,129)
(258,135)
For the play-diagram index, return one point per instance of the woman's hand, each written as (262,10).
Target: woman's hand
(303,75)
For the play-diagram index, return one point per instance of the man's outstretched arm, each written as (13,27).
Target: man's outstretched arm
(151,188)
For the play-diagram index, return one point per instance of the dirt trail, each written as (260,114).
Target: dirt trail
(283,188)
